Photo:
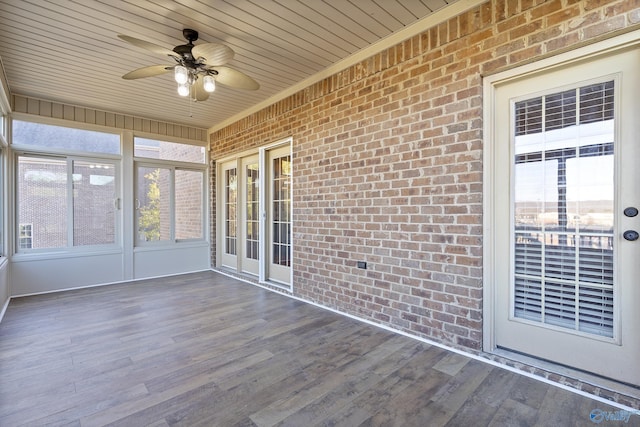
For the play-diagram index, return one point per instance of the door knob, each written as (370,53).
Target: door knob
(631,235)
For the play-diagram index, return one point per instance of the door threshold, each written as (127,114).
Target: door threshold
(607,388)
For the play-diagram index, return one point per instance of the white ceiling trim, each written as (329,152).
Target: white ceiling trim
(418,27)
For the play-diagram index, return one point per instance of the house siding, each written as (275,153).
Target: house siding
(387,163)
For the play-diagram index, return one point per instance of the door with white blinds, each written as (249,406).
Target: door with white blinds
(566,270)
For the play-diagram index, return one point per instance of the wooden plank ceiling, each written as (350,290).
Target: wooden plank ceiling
(68,50)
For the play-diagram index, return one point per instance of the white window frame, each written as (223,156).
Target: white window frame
(172,166)
(69,160)
(30,235)
(3,190)
(175,141)
(4,131)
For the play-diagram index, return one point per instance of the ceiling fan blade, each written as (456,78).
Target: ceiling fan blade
(234,78)
(197,90)
(213,53)
(147,45)
(150,71)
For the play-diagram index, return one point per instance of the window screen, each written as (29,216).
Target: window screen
(165,150)
(64,138)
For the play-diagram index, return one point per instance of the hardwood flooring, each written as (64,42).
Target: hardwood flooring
(203,349)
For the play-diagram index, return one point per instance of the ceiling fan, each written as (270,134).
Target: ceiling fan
(197,68)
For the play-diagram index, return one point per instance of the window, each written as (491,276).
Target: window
(25,236)
(66,201)
(57,138)
(153,207)
(42,199)
(189,199)
(70,198)
(94,204)
(173,151)
(170,193)
(230,207)
(564,213)
(3,151)
(281,199)
(2,194)
(252,206)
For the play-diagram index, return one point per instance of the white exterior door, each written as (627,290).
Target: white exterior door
(255,214)
(278,210)
(228,241)
(249,233)
(566,190)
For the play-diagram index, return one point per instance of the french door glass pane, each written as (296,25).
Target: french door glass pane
(188,204)
(564,209)
(94,192)
(281,211)
(231,204)
(252,219)
(153,198)
(42,200)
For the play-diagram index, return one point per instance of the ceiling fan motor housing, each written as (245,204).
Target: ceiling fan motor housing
(184,51)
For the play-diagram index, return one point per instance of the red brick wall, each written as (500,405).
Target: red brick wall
(388,163)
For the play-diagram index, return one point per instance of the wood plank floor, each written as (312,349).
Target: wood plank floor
(206,350)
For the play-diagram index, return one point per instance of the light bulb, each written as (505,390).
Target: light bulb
(181,74)
(209,83)
(183,89)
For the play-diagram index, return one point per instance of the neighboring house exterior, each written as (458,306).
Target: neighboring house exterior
(43,203)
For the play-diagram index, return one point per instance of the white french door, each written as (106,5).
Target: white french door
(279,215)
(228,190)
(565,191)
(254,225)
(249,231)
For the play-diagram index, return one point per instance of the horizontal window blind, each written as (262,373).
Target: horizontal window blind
(563,224)
(594,103)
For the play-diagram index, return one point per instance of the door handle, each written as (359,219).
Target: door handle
(630,235)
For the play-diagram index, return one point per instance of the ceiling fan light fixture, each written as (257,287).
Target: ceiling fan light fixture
(183,89)
(181,74)
(209,83)
(194,62)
